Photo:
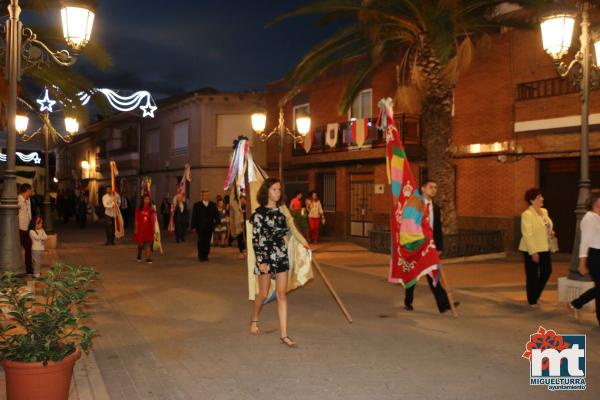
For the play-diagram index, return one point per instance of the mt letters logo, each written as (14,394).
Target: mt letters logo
(556,361)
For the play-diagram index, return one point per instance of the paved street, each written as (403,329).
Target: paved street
(178,329)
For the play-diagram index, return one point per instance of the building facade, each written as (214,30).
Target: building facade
(84,163)
(515,126)
(196,129)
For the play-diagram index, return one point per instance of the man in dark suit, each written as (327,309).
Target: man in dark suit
(205,217)
(429,190)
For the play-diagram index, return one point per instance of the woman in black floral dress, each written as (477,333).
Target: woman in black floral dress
(270,225)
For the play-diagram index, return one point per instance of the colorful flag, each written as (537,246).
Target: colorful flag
(347,133)
(331,137)
(181,190)
(413,250)
(119,223)
(360,131)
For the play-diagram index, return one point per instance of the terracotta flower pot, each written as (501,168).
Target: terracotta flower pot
(33,381)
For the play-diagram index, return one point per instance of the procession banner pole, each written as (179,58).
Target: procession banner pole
(332,290)
(444,283)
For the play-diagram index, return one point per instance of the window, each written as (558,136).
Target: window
(362,105)
(326,190)
(152,142)
(230,126)
(181,137)
(301,109)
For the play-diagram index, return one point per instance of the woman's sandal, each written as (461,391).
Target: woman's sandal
(255,332)
(288,341)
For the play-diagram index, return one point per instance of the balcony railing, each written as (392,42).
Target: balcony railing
(408,126)
(545,88)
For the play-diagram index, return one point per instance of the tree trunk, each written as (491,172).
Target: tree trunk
(436,130)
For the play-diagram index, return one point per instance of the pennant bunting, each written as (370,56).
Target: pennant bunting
(331,137)
(360,131)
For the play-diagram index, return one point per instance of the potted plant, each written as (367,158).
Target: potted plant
(43,331)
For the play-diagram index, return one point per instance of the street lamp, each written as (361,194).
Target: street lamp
(71,125)
(77,21)
(557,33)
(21,123)
(23,49)
(259,123)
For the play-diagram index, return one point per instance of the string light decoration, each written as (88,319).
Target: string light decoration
(46,103)
(142,100)
(33,157)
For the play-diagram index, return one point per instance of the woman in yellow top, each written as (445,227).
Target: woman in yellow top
(536,243)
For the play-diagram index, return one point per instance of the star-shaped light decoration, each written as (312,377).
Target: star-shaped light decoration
(148,110)
(46,103)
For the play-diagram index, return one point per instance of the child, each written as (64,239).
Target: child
(38,240)
(145,219)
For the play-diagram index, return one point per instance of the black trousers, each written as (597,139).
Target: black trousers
(204,239)
(241,241)
(26,244)
(441,297)
(536,275)
(166,219)
(180,231)
(110,230)
(593,264)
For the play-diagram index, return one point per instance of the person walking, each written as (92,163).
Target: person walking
(24,218)
(536,242)
(38,246)
(270,225)
(220,234)
(589,253)
(205,218)
(237,224)
(81,210)
(180,218)
(110,201)
(145,221)
(165,211)
(316,217)
(434,219)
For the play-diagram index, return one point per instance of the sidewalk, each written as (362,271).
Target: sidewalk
(500,280)
(178,329)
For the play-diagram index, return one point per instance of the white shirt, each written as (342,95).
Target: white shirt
(109,202)
(38,239)
(590,233)
(205,202)
(24,212)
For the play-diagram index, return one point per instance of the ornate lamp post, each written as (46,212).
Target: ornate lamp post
(48,131)
(21,45)
(259,122)
(557,33)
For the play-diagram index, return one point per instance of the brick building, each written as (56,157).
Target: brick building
(516,126)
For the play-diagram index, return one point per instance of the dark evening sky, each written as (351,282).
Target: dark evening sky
(174,46)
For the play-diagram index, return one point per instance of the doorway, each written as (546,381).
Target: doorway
(361,204)
(559,178)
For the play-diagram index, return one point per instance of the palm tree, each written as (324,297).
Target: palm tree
(431,40)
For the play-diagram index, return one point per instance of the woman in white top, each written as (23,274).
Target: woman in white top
(589,252)
(536,243)
(38,241)
(315,217)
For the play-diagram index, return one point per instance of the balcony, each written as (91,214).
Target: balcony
(408,126)
(545,88)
